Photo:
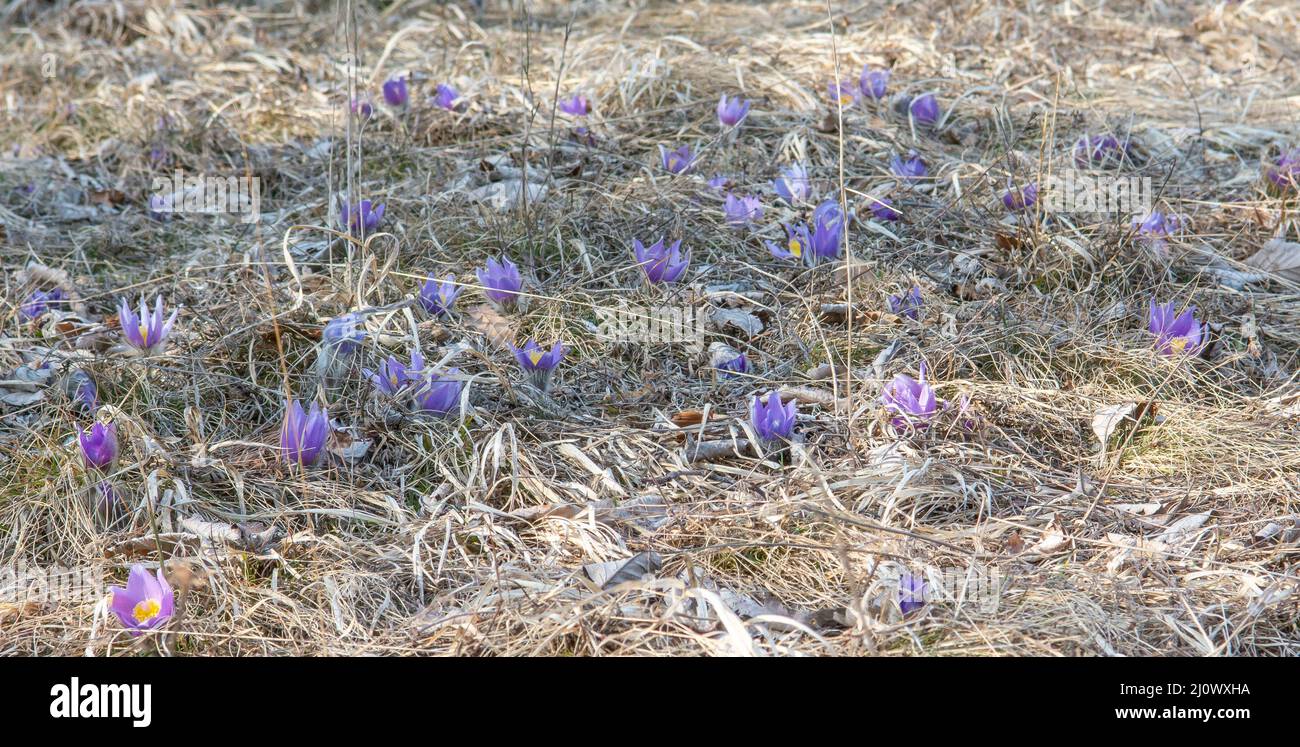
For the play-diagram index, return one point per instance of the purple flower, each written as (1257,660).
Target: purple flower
(577,106)
(440,393)
(395,92)
(303,434)
(720,182)
(1285,173)
(161,207)
(828,231)
(39,302)
(883,209)
(732,111)
(538,363)
(660,264)
(911,167)
(729,368)
(146,603)
(908,304)
(741,211)
(83,390)
(362,107)
(911,593)
(772,420)
(109,504)
(797,244)
(925,109)
(393,376)
(845,94)
(363,219)
(1019,200)
(912,401)
(501,282)
(1157,226)
(437,296)
(793,185)
(448,98)
(146,331)
(99,445)
(1175,333)
(677,161)
(344,333)
(873,83)
(1095,149)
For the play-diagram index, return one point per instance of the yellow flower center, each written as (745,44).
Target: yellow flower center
(1178,344)
(146,611)
(144,333)
(846,98)
(535,356)
(796,248)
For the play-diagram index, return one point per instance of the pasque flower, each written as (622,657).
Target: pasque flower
(437,296)
(828,230)
(395,91)
(720,182)
(677,161)
(577,105)
(873,83)
(439,393)
(737,365)
(661,264)
(303,434)
(1097,149)
(912,401)
(732,111)
(907,304)
(447,97)
(911,167)
(146,603)
(798,243)
(362,107)
(1019,200)
(501,282)
(1175,333)
(925,109)
(110,506)
(39,302)
(844,93)
(772,420)
(1285,172)
(741,211)
(393,376)
(1156,227)
(98,445)
(148,330)
(883,209)
(363,218)
(911,593)
(539,363)
(83,390)
(793,185)
(344,333)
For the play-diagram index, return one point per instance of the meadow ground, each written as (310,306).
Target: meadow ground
(1093,498)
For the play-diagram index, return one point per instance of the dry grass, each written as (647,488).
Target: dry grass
(471,537)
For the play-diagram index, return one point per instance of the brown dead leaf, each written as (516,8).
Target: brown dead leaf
(1278,257)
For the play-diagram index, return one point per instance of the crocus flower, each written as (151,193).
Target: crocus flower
(395,92)
(925,109)
(677,161)
(146,603)
(1175,333)
(344,333)
(1019,200)
(1157,226)
(303,434)
(447,97)
(1285,173)
(772,420)
(538,363)
(440,393)
(828,230)
(501,282)
(911,167)
(911,593)
(908,304)
(793,185)
(845,94)
(39,302)
(729,368)
(577,106)
(437,296)
(912,401)
(797,244)
(99,445)
(393,375)
(362,107)
(1095,149)
(741,211)
(148,330)
(363,219)
(873,83)
(883,209)
(732,111)
(661,264)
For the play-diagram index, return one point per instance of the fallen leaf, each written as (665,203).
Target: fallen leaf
(1278,257)
(738,319)
(615,572)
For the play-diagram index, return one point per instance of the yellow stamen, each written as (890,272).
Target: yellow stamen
(144,334)
(146,611)
(1178,344)
(796,248)
(535,356)
(846,99)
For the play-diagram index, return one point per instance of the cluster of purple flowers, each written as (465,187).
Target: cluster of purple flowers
(814,242)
